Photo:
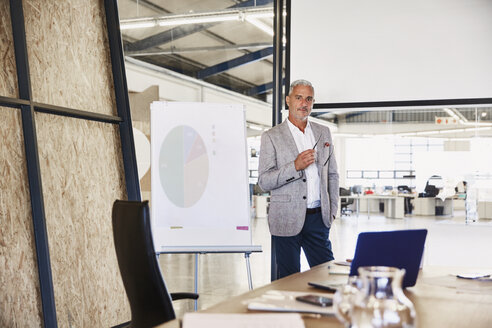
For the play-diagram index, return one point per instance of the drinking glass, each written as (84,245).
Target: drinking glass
(344,298)
(380,302)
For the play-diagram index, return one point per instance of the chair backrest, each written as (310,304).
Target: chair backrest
(404,188)
(433,186)
(431,190)
(146,290)
(344,202)
(344,192)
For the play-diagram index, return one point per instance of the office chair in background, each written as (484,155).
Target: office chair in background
(345,202)
(408,207)
(150,301)
(432,187)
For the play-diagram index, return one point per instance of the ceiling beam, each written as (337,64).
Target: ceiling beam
(236,62)
(182,31)
(259,89)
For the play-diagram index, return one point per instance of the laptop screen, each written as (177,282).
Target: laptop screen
(401,248)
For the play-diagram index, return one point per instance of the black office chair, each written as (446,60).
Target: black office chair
(345,202)
(432,187)
(408,207)
(150,302)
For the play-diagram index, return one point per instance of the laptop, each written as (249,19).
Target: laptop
(400,248)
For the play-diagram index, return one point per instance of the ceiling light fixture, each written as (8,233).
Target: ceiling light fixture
(451,131)
(427,132)
(174,50)
(477,123)
(196,20)
(478,129)
(241,14)
(137,25)
(405,134)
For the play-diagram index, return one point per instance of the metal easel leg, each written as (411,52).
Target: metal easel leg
(196,280)
(248,269)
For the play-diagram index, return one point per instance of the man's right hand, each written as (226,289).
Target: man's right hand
(304,159)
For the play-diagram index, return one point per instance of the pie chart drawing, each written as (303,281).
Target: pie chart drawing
(183,166)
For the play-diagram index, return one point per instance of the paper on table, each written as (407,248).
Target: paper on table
(242,320)
(482,286)
(474,275)
(285,301)
(339,269)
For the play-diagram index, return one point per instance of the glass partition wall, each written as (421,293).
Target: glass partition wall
(214,51)
(218,51)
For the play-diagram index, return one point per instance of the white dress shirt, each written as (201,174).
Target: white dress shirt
(305,141)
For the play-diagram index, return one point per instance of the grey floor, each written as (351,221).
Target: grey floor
(450,242)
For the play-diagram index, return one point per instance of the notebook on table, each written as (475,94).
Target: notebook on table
(400,248)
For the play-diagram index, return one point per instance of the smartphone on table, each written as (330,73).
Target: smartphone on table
(315,300)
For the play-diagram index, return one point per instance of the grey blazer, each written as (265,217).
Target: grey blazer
(288,187)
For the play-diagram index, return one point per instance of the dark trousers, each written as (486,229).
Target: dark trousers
(314,240)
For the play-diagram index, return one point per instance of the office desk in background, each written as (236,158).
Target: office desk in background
(427,206)
(394,206)
(484,209)
(441,300)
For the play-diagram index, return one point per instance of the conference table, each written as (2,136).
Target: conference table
(440,298)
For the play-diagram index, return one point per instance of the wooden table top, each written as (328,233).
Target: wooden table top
(440,299)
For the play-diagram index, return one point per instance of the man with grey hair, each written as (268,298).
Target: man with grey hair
(298,167)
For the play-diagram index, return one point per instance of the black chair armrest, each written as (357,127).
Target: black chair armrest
(123,325)
(180,296)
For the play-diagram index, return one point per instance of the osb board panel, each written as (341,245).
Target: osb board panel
(8,73)
(68,53)
(82,174)
(20,302)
